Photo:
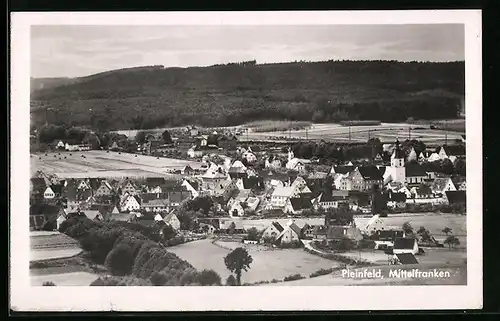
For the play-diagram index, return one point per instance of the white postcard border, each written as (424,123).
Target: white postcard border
(25,297)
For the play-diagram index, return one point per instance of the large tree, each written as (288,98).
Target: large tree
(167,139)
(237,261)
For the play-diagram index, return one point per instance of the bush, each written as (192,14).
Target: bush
(291,245)
(48,283)
(120,260)
(321,272)
(208,277)
(176,241)
(189,277)
(231,280)
(293,277)
(158,278)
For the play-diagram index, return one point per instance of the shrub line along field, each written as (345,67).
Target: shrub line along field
(104,164)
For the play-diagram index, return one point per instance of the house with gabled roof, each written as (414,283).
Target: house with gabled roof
(49,193)
(396,200)
(104,189)
(153,184)
(405,258)
(271,232)
(191,186)
(446,151)
(172,220)
(331,199)
(42,214)
(441,185)
(156,205)
(405,245)
(456,197)
(236,209)
(415,174)
(336,233)
(129,187)
(273,162)
(297,205)
(290,234)
(131,203)
(371,225)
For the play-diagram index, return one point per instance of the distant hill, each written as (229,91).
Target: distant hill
(48,83)
(154,96)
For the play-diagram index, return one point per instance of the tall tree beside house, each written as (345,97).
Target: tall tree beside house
(379,201)
(446,230)
(167,139)
(168,232)
(338,216)
(452,241)
(253,234)
(238,261)
(407,228)
(232,227)
(140,137)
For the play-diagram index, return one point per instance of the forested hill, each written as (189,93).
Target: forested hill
(47,83)
(153,96)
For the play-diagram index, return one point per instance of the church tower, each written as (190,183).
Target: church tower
(398,171)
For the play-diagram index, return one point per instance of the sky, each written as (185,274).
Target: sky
(74,51)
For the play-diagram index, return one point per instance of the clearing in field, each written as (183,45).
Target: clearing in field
(106,164)
(267,265)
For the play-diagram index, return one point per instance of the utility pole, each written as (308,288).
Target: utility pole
(368,134)
(289,133)
(307,136)
(409,133)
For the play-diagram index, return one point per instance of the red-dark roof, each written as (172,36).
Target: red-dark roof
(343,169)
(414,169)
(456,197)
(371,173)
(407,258)
(301,203)
(278,226)
(404,243)
(455,150)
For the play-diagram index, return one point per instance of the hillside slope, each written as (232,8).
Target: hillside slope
(153,96)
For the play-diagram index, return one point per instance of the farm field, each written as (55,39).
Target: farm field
(267,265)
(386,132)
(104,164)
(46,246)
(64,279)
(458,276)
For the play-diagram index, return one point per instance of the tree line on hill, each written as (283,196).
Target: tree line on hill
(216,96)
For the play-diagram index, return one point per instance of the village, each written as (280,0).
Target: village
(388,208)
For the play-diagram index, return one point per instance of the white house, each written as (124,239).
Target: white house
(441,185)
(60,219)
(370,226)
(60,144)
(396,172)
(434,157)
(189,186)
(49,193)
(253,203)
(405,245)
(291,233)
(195,152)
(131,203)
(172,220)
(82,185)
(412,155)
(272,232)
(250,157)
(236,210)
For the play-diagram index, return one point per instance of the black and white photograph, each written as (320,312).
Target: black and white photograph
(201,155)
